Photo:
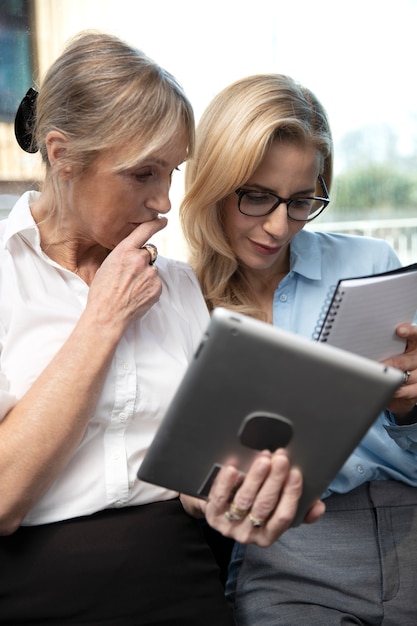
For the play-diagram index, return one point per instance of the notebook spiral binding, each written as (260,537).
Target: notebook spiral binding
(327,315)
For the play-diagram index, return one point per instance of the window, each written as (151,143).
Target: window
(15,56)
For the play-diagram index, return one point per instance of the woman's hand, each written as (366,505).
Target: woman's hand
(256,508)
(405,398)
(126,285)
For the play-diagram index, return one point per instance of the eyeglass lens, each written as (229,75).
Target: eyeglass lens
(257,203)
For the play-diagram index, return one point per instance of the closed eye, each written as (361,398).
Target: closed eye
(258,196)
(302,203)
(143,176)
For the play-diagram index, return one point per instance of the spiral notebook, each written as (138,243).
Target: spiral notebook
(252,386)
(364,313)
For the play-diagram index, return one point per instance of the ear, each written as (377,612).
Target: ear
(57,145)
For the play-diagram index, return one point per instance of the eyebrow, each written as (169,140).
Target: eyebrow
(268,190)
(152,160)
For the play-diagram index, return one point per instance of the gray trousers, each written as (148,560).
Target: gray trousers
(356,565)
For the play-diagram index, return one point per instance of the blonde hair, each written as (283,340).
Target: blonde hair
(103,94)
(232,137)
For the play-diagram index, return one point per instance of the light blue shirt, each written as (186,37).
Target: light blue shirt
(317,262)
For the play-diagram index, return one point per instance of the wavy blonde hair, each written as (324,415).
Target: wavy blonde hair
(233,135)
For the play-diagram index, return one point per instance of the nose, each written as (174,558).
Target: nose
(276,223)
(159,200)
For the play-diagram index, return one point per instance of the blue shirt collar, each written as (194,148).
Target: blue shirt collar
(306,255)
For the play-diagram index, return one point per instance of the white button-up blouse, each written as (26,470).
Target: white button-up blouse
(40,303)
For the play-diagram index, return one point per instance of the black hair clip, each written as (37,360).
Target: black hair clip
(25,121)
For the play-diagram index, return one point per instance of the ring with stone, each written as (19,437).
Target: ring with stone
(152,251)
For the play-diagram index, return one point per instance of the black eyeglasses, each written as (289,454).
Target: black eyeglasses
(260,203)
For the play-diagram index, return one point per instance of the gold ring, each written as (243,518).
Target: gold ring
(234,514)
(153,252)
(256,521)
(407,375)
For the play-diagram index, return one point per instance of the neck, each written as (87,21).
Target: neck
(75,254)
(264,283)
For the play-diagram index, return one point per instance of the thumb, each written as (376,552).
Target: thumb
(408,332)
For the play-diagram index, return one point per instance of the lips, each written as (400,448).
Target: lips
(263,249)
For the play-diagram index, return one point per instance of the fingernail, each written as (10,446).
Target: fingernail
(294,477)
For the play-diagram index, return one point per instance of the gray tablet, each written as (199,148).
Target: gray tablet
(252,386)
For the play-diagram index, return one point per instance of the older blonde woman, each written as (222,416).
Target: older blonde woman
(96,331)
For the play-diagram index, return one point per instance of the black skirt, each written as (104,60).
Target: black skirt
(134,566)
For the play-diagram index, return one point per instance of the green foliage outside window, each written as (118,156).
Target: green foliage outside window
(375,192)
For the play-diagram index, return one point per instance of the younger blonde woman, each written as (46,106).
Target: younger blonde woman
(262,170)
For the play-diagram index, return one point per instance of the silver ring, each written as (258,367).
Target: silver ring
(407,375)
(152,251)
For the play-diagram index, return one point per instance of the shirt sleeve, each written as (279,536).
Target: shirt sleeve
(404,436)
(7,400)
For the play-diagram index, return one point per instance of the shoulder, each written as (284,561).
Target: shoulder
(179,280)
(172,269)
(342,240)
(182,292)
(351,249)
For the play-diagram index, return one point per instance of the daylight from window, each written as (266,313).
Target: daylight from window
(357,56)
